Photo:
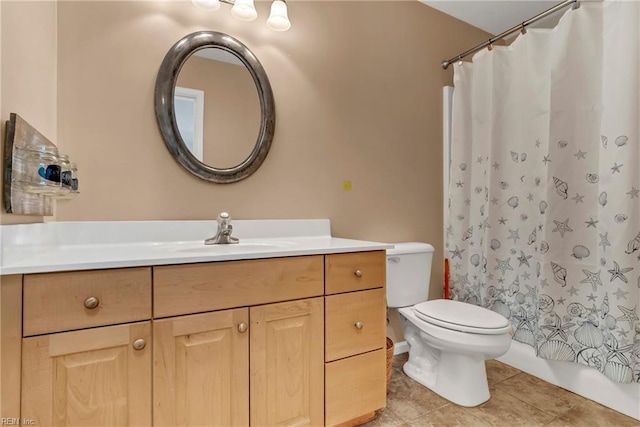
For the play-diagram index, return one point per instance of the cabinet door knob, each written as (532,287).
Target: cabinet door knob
(139,344)
(242,328)
(91,303)
(359,325)
(358,273)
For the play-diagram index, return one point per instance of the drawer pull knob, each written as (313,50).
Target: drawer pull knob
(359,325)
(91,303)
(139,344)
(358,273)
(242,328)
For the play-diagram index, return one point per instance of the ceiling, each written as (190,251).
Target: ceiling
(497,16)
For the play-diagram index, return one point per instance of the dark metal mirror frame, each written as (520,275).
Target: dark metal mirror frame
(166,116)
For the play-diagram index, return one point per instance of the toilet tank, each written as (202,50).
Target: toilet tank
(408,273)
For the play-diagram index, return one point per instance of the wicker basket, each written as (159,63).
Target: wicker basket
(389,359)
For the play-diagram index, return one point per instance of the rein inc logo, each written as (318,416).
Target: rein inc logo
(17,422)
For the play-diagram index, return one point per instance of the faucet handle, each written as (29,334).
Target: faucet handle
(223,219)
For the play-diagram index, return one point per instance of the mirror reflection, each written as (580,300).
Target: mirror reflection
(217,108)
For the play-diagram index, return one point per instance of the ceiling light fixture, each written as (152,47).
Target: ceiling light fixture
(244,10)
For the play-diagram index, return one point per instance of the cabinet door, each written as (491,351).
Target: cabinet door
(287,366)
(201,370)
(92,377)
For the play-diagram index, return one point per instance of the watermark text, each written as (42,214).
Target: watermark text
(17,422)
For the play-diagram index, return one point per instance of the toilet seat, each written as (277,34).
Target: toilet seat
(462,317)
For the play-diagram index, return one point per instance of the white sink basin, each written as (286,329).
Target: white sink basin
(245,245)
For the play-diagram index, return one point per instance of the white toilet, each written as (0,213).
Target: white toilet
(449,340)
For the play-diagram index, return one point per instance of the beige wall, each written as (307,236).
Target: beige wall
(231,109)
(358,95)
(28,77)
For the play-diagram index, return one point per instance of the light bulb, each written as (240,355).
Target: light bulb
(207,4)
(244,10)
(278,19)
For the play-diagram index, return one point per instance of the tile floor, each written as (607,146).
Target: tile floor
(517,399)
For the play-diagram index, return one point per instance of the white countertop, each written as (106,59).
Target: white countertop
(65,246)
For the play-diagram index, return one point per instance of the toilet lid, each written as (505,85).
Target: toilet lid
(462,317)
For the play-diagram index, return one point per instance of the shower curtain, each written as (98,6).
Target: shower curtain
(544,222)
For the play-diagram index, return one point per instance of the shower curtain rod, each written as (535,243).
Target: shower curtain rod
(519,27)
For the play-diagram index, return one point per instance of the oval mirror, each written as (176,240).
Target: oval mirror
(215,107)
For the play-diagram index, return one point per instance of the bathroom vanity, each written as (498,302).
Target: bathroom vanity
(166,333)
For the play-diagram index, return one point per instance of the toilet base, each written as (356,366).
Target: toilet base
(461,379)
(450,363)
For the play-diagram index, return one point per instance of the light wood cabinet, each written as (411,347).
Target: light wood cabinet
(193,288)
(56,302)
(354,271)
(355,368)
(355,386)
(91,377)
(283,341)
(202,375)
(355,323)
(87,375)
(287,367)
(10,345)
(201,369)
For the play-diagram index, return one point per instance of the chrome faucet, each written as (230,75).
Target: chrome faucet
(223,234)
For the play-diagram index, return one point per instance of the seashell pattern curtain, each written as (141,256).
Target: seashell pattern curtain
(544,224)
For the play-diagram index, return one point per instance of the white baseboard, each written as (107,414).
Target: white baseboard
(400,347)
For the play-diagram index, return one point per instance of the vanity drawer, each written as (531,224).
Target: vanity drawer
(195,288)
(355,271)
(355,386)
(354,323)
(55,302)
